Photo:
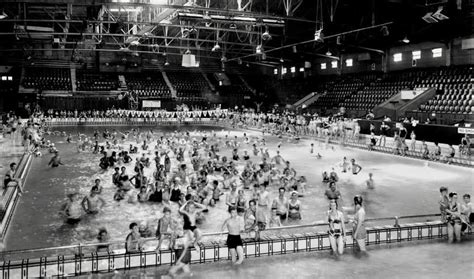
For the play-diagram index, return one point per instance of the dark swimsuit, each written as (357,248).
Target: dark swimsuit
(187,224)
(335,232)
(233,241)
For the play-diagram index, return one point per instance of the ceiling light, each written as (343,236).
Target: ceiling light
(318,35)
(328,53)
(167,63)
(188,51)
(134,43)
(259,49)
(124,49)
(281,60)
(233,26)
(266,35)
(217,47)
(406,40)
(3,15)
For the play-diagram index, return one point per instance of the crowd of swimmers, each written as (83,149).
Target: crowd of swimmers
(191,174)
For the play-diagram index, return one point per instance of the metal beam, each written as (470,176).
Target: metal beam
(312,41)
(178,7)
(127,35)
(133,22)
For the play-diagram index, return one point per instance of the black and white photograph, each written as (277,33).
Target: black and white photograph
(246,139)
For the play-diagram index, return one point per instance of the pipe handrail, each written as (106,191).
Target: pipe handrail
(314,224)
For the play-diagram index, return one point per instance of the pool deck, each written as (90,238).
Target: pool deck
(416,260)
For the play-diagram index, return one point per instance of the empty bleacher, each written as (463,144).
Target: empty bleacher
(87,81)
(148,85)
(47,79)
(454,91)
(381,90)
(189,85)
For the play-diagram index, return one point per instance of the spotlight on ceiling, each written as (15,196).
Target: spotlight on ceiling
(217,47)
(193,30)
(188,51)
(328,53)
(3,15)
(406,40)
(281,60)
(318,35)
(233,26)
(167,63)
(266,35)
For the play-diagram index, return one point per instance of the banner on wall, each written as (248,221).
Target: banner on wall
(464,130)
(151,104)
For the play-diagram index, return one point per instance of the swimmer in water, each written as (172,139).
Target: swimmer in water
(370,182)
(93,203)
(55,160)
(73,209)
(355,167)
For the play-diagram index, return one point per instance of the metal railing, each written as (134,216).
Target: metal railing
(119,246)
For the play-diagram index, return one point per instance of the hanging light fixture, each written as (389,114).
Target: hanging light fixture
(3,15)
(406,40)
(266,35)
(217,47)
(328,53)
(318,34)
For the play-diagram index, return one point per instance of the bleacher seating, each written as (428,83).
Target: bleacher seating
(47,79)
(454,91)
(343,89)
(149,84)
(382,89)
(87,81)
(189,86)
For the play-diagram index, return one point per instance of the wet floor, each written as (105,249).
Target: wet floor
(420,261)
(403,186)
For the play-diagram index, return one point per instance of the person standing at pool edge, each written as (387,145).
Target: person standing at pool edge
(235,225)
(359,233)
(337,229)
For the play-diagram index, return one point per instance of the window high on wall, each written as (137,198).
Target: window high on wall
(437,52)
(349,62)
(293,69)
(416,54)
(275,71)
(334,64)
(397,57)
(284,70)
(323,66)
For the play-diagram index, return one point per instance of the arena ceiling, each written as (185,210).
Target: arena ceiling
(266,31)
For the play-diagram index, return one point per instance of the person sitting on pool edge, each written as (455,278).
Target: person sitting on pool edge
(133,242)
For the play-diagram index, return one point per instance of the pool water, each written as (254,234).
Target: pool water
(403,186)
